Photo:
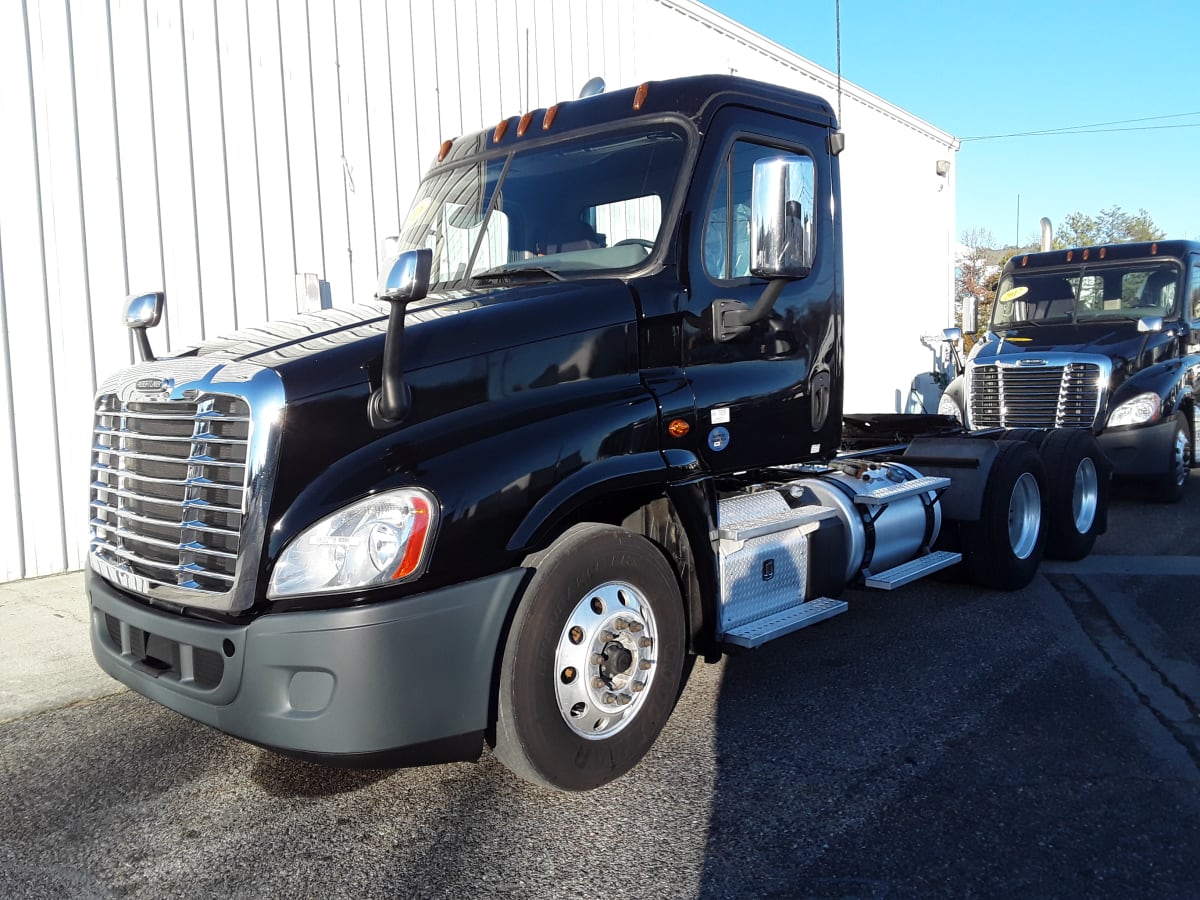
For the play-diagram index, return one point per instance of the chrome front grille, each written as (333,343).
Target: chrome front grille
(1046,395)
(168,487)
(181,466)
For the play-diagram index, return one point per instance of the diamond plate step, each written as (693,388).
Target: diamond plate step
(894,492)
(912,570)
(756,633)
(791,518)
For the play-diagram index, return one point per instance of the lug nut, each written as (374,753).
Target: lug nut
(607,636)
(623,699)
(598,683)
(620,624)
(638,686)
(608,699)
(635,627)
(645,665)
(597,659)
(645,642)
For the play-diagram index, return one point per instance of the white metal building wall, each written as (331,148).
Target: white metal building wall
(218,148)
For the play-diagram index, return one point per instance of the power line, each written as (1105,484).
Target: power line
(1094,128)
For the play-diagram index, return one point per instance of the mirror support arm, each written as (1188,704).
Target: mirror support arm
(390,404)
(762,308)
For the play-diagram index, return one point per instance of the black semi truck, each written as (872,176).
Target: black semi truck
(589,430)
(1102,338)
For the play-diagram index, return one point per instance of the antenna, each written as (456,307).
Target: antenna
(837,14)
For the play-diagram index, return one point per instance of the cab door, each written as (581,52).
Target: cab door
(772,393)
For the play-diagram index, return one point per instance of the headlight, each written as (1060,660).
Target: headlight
(1142,408)
(379,540)
(947,407)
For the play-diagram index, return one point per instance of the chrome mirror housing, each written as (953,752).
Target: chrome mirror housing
(1150,323)
(406,278)
(782,223)
(952,334)
(144,311)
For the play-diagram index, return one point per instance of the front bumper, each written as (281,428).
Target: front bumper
(361,685)
(1142,451)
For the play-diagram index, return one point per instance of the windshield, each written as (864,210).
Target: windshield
(1130,290)
(592,204)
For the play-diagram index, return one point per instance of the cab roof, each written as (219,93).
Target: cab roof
(694,97)
(1106,252)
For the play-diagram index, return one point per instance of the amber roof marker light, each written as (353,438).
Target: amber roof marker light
(639,97)
(442,153)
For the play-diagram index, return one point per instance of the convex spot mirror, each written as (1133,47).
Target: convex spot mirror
(782,224)
(1150,323)
(406,277)
(143,310)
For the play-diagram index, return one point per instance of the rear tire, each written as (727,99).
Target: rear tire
(1004,547)
(1076,498)
(593,661)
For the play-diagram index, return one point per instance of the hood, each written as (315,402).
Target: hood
(1117,339)
(332,349)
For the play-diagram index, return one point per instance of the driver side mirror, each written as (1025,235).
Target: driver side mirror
(953,335)
(782,224)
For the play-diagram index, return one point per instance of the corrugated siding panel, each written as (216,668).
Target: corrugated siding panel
(216,149)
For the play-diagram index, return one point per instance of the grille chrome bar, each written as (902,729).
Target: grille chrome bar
(195,503)
(186,568)
(153,457)
(181,477)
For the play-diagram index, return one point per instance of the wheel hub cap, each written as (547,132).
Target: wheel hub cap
(605,660)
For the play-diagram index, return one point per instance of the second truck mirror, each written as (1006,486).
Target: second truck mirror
(782,239)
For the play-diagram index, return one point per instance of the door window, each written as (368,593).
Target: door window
(727,226)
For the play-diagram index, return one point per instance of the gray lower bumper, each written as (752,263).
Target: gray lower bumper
(1140,452)
(343,682)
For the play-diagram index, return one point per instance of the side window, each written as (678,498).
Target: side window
(1194,292)
(727,226)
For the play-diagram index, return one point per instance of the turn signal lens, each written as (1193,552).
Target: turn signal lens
(678,428)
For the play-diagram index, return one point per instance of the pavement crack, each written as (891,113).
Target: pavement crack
(1153,687)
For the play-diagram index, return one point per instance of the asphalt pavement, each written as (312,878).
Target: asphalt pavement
(937,741)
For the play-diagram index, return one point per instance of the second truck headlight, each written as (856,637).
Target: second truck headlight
(375,541)
(1142,408)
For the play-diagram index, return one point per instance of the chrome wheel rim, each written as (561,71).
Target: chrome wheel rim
(1024,516)
(605,660)
(1181,456)
(1085,495)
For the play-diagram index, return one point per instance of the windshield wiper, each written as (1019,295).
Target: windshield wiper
(503,273)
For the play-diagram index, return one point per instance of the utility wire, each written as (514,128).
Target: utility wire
(1094,128)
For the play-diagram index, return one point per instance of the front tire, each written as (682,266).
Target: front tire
(1004,547)
(593,661)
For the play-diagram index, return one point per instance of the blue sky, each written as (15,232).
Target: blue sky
(981,68)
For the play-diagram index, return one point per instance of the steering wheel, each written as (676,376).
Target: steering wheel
(636,242)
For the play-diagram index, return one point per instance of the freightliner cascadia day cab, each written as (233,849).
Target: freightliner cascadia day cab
(589,429)
(1100,338)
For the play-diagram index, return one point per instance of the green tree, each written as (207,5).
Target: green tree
(1112,226)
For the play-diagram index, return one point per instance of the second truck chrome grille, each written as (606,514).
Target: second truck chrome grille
(1038,396)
